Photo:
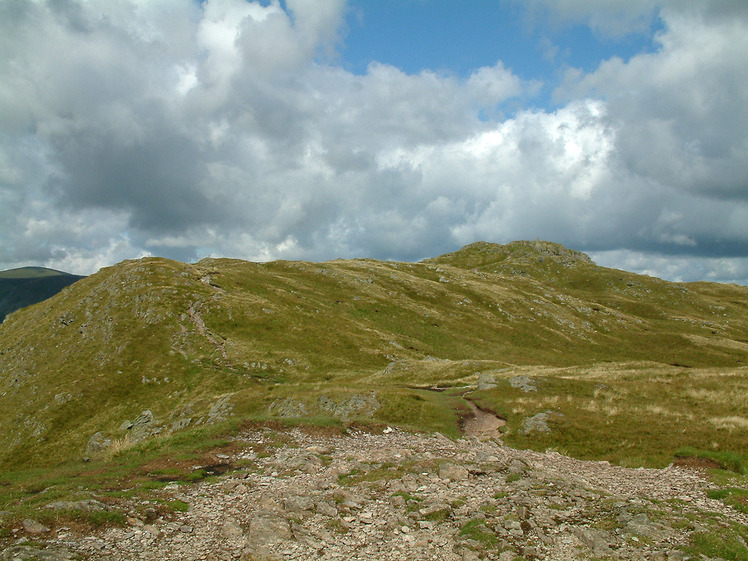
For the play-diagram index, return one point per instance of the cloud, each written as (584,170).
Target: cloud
(681,129)
(609,18)
(227,128)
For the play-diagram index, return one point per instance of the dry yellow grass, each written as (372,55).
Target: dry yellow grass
(733,423)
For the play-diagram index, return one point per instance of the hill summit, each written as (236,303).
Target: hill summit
(511,257)
(150,348)
(28,285)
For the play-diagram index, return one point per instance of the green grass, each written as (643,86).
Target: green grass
(731,461)
(408,496)
(633,368)
(735,497)
(476,530)
(137,470)
(728,544)
(438,515)
(177,505)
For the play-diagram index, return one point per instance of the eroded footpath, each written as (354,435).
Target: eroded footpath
(292,495)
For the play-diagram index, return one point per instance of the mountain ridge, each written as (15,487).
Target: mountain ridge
(340,339)
(25,286)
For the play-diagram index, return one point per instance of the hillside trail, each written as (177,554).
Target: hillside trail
(294,494)
(482,424)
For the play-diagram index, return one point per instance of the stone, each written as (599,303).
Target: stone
(180,424)
(142,426)
(265,529)
(356,405)
(524,383)
(31,526)
(24,552)
(231,530)
(453,472)
(641,525)
(89,505)
(517,466)
(536,423)
(599,541)
(97,444)
(397,500)
(399,512)
(326,509)
(298,503)
(486,381)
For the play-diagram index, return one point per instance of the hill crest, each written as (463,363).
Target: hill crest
(518,257)
(340,338)
(28,285)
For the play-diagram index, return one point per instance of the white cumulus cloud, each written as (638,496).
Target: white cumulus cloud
(228,127)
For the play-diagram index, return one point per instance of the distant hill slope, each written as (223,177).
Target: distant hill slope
(194,344)
(28,285)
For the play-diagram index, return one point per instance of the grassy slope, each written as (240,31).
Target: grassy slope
(633,366)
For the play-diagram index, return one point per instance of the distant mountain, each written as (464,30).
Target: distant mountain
(28,285)
(152,346)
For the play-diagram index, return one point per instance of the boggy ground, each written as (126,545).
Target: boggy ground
(293,494)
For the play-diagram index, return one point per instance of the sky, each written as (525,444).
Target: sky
(388,129)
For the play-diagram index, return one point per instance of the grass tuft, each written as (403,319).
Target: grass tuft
(731,461)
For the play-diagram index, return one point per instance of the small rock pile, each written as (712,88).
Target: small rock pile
(293,495)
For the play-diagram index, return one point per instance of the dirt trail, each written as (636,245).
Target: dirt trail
(482,423)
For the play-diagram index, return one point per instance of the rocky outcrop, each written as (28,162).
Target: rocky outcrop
(97,444)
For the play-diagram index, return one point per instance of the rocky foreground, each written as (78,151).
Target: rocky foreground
(294,495)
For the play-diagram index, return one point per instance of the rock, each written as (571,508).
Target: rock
(31,526)
(231,530)
(524,383)
(220,410)
(486,381)
(62,398)
(24,552)
(298,503)
(288,408)
(536,423)
(142,427)
(599,541)
(180,424)
(266,529)
(89,505)
(453,472)
(398,508)
(641,525)
(97,444)
(397,500)
(357,405)
(517,466)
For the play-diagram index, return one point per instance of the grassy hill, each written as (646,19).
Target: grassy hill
(28,285)
(624,367)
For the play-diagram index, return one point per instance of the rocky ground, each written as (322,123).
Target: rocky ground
(292,495)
